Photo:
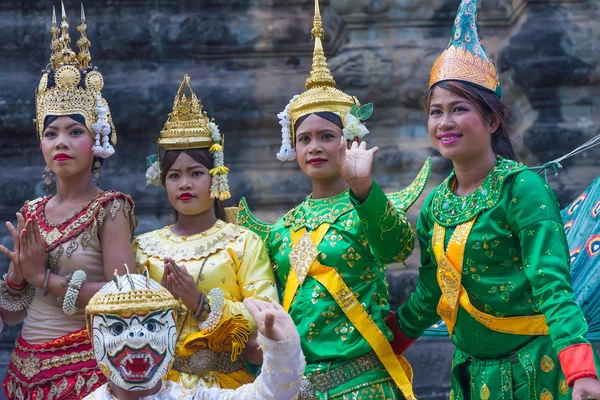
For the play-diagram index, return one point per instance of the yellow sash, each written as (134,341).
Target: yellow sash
(397,366)
(449,277)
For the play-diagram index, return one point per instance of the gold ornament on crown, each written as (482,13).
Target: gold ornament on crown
(77,86)
(188,127)
(129,294)
(321,93)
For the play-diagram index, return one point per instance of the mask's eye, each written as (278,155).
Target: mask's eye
(117,328)
(152,325)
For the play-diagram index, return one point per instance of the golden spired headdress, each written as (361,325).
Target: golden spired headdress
(70,85)
(188,127)
(465,59)
(320,95)
(129,294)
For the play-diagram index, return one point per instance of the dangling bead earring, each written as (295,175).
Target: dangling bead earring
(47,176)
(96,175)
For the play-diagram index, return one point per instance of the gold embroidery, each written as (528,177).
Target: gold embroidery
(31,366)
(484,393)
(114,208)
(346,299)
(546,364)
(563,388)
(163,243)
(101,216)
(72,247)
(79,384)
(546,395)
(351,256)
(53,259)
(126,209)
(344,330)
(302,257)
(92,381)
(52,236)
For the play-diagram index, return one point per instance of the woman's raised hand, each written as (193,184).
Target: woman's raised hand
(355,165)
(17,275)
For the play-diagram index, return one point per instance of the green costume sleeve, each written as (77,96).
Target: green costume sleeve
(388,232)
(534,216)
(420,311)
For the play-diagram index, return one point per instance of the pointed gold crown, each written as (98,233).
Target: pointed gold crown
(70,85)
(187,125)
(321,93)
(465,59)
(129,294)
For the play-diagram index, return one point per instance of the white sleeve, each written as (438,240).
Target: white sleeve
(282,371)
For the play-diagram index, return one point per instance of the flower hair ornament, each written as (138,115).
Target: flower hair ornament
(188,127)
(321,95)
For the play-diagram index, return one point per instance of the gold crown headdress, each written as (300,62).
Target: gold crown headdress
(129,294)
(465,59)
(188,127)
(70,85)
(320,95)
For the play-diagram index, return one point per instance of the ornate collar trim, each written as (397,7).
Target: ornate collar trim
(164,243)
(448,209)
(311,213)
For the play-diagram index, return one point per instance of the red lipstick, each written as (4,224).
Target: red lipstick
(185,196)
(62,157)
(316,161)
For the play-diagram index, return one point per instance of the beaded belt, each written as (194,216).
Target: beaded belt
(205,361)
(325,381)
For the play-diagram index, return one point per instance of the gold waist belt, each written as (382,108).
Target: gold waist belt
(205,361)
(325,381)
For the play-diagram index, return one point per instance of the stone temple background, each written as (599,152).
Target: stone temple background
(247,58)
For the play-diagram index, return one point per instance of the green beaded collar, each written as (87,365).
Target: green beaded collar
(313,212)
(449,209)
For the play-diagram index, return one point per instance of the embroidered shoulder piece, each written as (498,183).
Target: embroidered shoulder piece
(164,243)
(449,209)
(246,219)
(88,219)
(404,199)
(311,213)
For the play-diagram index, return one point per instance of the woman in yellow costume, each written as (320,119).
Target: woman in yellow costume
(210,265)
(66,245)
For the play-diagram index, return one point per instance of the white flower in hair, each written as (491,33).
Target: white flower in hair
(286,152)
(102,147)
(353,128)
(214,132)
(153,174)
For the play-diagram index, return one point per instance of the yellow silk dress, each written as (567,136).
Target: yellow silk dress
(229,263)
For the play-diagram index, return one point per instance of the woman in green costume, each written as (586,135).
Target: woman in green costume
(330,252)
(495,262)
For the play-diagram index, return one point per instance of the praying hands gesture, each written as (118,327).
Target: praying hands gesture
(177,280)
(28,257)
(355,165)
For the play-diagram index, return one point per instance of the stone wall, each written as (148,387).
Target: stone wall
(247,58)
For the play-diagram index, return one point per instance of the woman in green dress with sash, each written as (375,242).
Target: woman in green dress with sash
(330,252)
(495,261)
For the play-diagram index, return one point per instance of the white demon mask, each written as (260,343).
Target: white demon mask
(131,321)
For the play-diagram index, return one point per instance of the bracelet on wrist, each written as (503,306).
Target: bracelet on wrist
(70,300)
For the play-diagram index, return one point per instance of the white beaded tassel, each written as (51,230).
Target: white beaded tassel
(102,148)
(286,152)
(216,297)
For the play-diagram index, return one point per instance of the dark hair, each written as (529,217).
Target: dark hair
(488,105)
(75,117)
(201,156)
(328,115)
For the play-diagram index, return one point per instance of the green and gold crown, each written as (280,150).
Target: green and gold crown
(70,85)
(465,59)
